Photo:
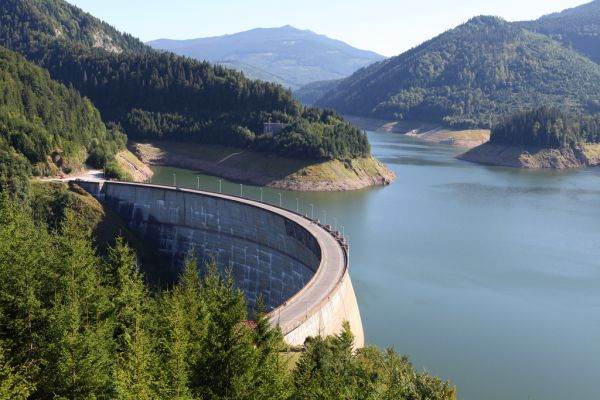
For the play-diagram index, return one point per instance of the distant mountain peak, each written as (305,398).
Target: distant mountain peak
(284,54)
(488,20)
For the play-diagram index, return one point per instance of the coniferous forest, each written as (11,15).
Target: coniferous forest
(46,127)
(156,95)
(76,323)
(547,127)
(472,76)
(81,314)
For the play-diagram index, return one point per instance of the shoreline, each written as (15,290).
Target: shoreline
(581,156)
(247,166)
(425,131)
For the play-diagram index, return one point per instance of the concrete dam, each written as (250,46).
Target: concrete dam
(299,267)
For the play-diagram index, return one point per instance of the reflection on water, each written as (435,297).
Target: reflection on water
(487,276)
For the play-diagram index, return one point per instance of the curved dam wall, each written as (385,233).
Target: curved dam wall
(299,268)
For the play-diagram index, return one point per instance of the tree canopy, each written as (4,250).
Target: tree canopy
(76,325)
(546,127)
(577,28)
(151,94)
(471,76)
(46,126)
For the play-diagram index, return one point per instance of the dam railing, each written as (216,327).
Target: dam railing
(275,314)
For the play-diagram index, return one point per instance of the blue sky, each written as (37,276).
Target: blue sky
(388,27)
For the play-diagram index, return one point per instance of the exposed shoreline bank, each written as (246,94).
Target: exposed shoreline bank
(266,170)
(428,132)
(584,155)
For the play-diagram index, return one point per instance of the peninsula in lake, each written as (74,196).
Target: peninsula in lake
(145,95)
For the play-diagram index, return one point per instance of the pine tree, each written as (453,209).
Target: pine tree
(135,356)
(271,380)
(182,330)
(224,368)
(79,358)
(14,384)
(25,255)
(328,368)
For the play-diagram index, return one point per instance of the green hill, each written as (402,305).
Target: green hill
(470,77)
(45,126)
(577,28)
(157,95)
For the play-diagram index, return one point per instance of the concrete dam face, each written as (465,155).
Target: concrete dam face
(298,267)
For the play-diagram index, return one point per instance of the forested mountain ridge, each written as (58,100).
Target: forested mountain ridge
(46,126)
(158,95)
(285,55)
(35,20)
(310,93)
(577,28)
(471,76)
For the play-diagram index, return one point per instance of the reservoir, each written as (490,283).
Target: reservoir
(486,276)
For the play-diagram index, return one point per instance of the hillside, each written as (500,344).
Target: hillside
(541,138)
(156,95)
(284,55)
(577,28)
(310,93)
(470,76)
(45,127)
(25,23)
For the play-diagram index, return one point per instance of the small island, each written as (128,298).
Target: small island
(541,138)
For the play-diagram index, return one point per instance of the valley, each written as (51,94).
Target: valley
(272,213)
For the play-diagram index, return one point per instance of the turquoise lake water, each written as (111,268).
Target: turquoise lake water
(486,276)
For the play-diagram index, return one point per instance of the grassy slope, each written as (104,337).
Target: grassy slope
(259,168)
(133,166)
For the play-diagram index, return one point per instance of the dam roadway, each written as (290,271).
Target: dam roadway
(316,305)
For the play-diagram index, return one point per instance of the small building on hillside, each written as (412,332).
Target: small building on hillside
(273,128)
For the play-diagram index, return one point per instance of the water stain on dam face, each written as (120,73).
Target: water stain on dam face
(297,267)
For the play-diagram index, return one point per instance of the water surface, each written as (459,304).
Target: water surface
(489,277)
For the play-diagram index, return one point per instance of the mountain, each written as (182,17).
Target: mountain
(285,55)
(471,76)
(40,21)
(310,93)
(46,126)
(159,95)
(577,28)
